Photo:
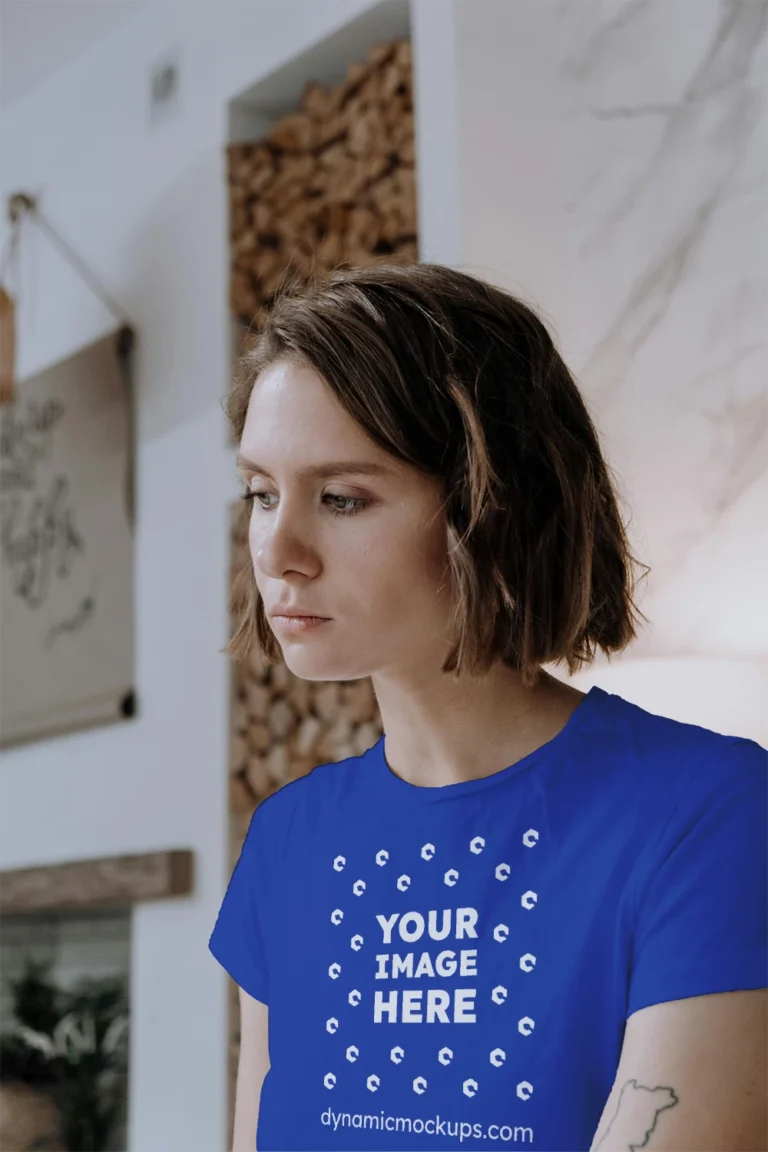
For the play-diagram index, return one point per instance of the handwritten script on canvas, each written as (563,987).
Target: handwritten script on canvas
(39,537)
(66,547)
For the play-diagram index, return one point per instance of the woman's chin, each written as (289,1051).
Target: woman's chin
(309,665)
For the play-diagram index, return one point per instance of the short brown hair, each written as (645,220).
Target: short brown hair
(462,380)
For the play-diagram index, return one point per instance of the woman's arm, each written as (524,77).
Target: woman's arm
(251,1070)
(693,1073)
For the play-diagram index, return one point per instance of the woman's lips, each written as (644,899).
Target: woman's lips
(299,624)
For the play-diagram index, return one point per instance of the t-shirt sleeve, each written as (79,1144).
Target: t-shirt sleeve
(237,940)
(701,923)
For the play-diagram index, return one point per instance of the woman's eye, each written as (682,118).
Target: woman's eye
(354,504)
(339,505)
(249,494)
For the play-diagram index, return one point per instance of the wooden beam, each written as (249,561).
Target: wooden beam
(106,882)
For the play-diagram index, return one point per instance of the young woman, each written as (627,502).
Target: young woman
(504,924)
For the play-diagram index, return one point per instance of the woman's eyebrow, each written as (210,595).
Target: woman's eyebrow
(321,471)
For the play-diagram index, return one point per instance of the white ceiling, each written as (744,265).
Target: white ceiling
(37,37)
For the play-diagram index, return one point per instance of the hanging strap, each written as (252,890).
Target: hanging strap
(20,204)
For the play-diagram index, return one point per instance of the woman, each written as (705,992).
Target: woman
(499,925)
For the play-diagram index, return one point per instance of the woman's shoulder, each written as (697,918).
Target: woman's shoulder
(671,751)
(319,786)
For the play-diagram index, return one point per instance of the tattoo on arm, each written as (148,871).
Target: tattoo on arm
(638,1111)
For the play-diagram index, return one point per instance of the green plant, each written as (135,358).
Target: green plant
(75,1041)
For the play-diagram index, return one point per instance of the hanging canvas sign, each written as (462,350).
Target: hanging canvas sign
(66,545)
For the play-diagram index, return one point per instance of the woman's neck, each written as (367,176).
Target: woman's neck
(447,730)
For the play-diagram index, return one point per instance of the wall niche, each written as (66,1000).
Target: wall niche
(321,171)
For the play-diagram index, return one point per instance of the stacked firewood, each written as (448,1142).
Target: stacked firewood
(331,184)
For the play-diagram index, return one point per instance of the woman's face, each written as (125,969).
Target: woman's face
(364,548)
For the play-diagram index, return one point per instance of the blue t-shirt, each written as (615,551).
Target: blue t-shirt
(453,967)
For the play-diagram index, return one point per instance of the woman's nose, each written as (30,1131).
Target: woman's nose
(282,553)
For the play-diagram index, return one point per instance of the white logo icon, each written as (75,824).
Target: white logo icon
(382,857)
(352,1053)
(530,837)
(451,877)
(525,1090)
(477,845)
(339,863)
(396,1055)
(525,1026)
(497,1057)
(528,899)
(427,851)
(499,994)
(527,962)
(403,882)
(445,1055)
(502,871)
(337,916)
(420,1085)
(373,1083)
(354,997)
(334,971)
(500,933)
(329,1079)
(470,1087)
(332,1025)
(358,887)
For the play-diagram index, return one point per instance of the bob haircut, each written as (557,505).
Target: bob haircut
(462,381)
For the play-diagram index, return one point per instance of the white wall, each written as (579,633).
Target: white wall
(42,37)
(147,209)
(612,171)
